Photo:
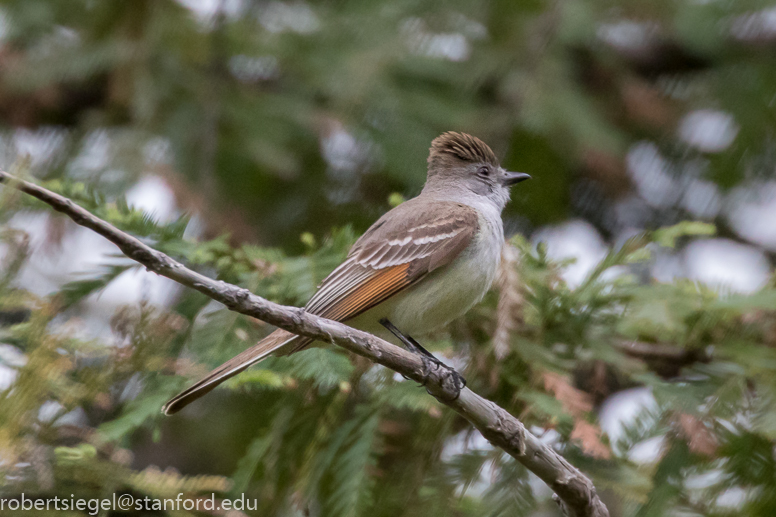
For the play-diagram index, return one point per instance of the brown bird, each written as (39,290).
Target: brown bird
(420,266)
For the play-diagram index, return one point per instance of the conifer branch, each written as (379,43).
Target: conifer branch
(509,312)
(575,493)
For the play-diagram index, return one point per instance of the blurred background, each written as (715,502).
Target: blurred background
(633,325)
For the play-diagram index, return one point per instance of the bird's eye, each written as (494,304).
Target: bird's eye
(483,171)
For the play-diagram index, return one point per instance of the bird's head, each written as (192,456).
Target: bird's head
(461,161)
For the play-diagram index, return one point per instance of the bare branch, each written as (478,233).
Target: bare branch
(576,492)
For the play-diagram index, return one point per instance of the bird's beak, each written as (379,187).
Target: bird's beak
(511,178)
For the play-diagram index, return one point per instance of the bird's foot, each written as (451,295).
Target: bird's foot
(430,363)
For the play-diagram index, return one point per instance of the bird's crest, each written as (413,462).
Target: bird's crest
(462,146)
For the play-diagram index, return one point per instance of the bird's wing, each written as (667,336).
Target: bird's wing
(401,248)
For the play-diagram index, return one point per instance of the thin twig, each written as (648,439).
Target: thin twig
(575,492)
(665,360)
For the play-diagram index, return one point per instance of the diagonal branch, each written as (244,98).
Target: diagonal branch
(575,493)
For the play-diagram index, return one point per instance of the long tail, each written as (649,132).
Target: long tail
(279,342)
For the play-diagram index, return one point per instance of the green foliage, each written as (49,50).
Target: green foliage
(338,436)
(237,113)
(535,78)
(668,236)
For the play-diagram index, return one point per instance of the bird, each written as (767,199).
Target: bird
(421,265)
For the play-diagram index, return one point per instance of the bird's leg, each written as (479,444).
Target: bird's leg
(412,345)
(427,357)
